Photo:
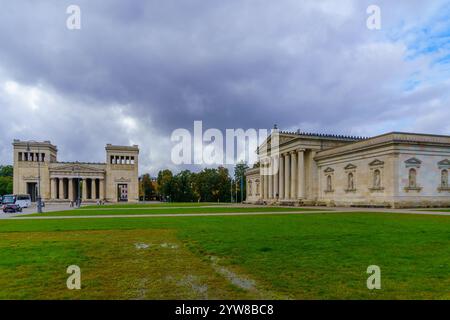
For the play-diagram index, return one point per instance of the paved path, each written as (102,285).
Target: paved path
(344,210)
(33,209)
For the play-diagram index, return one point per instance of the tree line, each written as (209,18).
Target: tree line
(208,185)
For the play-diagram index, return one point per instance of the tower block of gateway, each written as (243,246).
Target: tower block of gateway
(36,167)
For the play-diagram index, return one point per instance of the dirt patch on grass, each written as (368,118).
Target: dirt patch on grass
(142,245)
(242,281)
(194,283)
(115,264)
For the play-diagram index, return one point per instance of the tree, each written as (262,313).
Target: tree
(183,186)
(6,171)
(212,185)
(145,187)
(165,184)
(6,180)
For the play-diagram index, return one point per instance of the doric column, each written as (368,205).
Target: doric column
(70,195)
(270,179)
(261,184)
(293,175)
(281,177)
(61,189)
(287,176)
(102,189)
(301,174)
(266,189)
(53,188)
(84,191)
(94,194)
(275,178)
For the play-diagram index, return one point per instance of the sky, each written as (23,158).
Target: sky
(138,70)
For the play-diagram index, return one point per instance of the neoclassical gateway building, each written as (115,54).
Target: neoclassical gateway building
(391,170)
(113,181)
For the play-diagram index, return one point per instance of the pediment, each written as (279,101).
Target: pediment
(76,167)
(123,179)
(444,163)
(413,162)
(350,166)
(285,138)
(267,144)
(328,170)
(376,162)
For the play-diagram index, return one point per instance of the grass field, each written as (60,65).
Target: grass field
(119,210)
(305,256)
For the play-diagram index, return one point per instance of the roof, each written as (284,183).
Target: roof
(122,148)
(323,135)
(387,138)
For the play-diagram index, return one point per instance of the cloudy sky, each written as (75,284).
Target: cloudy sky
(137,70)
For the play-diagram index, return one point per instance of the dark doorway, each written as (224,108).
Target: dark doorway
(32,190)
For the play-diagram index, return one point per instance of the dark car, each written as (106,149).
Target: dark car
(11,208)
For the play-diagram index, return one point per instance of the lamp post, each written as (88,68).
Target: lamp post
(231,190)
(39,200)
(242,189)
(235,190)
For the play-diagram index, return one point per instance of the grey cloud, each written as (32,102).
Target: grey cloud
(229,63)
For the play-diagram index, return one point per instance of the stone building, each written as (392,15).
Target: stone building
(113,181)
(391,170)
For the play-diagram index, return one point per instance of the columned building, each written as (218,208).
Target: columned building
(113,181)
(390,170)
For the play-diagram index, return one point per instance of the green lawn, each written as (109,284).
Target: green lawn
(117,210)
(308,256)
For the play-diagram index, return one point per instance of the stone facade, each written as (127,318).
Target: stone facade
(113,181)
(391,170)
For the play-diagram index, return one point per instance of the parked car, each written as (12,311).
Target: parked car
(11,208)
(22,200)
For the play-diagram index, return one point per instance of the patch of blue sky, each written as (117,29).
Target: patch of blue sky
(428,38)
(432,37)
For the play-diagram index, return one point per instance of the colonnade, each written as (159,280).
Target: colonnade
(66,188)
(283,176)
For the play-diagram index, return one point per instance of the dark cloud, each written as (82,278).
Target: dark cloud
(138,70)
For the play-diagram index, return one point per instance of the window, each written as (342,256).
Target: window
(444,178)
(412,178)
(350,181)
(20,156)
